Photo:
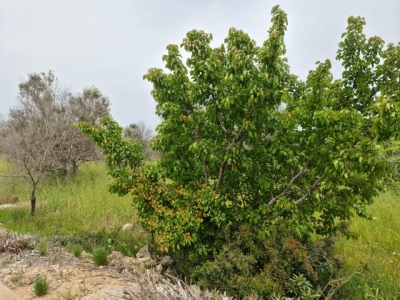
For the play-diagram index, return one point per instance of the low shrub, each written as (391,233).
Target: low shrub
(42,248)
(40,286)
(76,250)
(266,265)
(100,256)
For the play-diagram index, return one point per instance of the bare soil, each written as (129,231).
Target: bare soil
(69,277)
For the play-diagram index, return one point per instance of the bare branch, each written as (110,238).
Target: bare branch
(204,169)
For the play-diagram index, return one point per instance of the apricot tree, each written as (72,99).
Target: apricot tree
(231,157)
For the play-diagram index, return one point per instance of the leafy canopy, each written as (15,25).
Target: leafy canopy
(232,157)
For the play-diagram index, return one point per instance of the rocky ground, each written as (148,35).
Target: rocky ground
(69,277)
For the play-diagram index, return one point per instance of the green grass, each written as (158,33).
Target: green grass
(41,286)
(100,256)
(76,211)
(76,250)
(67,206)
(374,258)
(82,213)
(42,248)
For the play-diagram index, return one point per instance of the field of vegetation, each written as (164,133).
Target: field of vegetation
(77,210)
(81,210)
(260,175)
(373,260)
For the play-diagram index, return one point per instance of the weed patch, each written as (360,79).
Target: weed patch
(100,256)
(41,286)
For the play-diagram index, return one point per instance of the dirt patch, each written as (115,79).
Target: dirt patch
(68,276)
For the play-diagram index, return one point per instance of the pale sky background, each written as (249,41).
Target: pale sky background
(111,44)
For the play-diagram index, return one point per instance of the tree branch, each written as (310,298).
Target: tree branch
(222,125)
(313,187)
(223,165)
(204,168)
(11,176)
(287,190)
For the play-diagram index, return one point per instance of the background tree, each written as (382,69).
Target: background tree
(140,132)
(244,182)
(3,124)
(73,148)
(39,137)
(26,143)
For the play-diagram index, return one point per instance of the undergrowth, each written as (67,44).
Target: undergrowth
(74,212)
(80,214)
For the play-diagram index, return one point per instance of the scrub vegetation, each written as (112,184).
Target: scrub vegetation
(370,264)
(264,183)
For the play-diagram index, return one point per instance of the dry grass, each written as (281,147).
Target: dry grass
(14,242)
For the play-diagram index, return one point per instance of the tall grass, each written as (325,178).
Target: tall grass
(67,206)
(84,205)
(373,259)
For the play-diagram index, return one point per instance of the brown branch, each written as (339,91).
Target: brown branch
(222,125)
(287,189)
(308,193)
(204,168)
(34,182)
(221,173)
(203,161)
(187,104)
(228,149)
(223,165)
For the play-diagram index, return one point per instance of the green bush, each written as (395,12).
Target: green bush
(267,265)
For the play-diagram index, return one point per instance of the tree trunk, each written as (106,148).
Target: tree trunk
(33,200)
(74,168)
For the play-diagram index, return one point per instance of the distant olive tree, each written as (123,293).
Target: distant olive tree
(38,137)
(29,136)
(73,147)
(140,132)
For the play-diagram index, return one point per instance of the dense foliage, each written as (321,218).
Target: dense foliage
(234,161)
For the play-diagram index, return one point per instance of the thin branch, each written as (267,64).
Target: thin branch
(221,173)
(11,176)
(188,106)
(313,187)
(228,149)
(287,189)
(223,165)
(204,168)
(203,160)
(222,125)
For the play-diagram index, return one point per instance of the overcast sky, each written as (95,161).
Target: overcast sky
(111,44)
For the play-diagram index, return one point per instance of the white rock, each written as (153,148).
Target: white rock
(4,206)
(127,226)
